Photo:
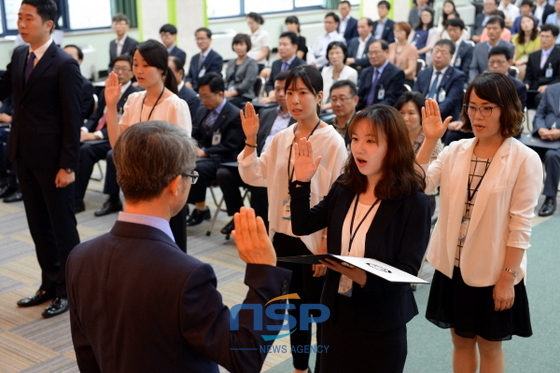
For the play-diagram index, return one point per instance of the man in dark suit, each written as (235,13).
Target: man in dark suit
(541,11)
(499,61)
(546,126)
(543,66)
(383,27)
(482,19)
(348,24)
(95,143)
(271,121)
(176,322)
(383,82)
(287,48)
(494,28)
(168,35)
(87,87)
(123,44)
(217,129)
(463,51)
(185,93)
(358,46)
(207,61)
(344,99)
(44,140)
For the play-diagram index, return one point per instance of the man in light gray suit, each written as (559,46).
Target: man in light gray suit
(479,64)
(546,126)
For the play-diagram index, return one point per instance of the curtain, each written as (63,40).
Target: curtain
(330,4)
(127,7)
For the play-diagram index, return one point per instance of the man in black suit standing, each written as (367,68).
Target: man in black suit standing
(543,66)
(185,93)
(47,85)
(168,35)
(463,51)
(347,25)
(139,304)
(383,82)
(383,27)
(358,46)
(217,129)
(207,61)
(95,143)
(287,48)
(123,44)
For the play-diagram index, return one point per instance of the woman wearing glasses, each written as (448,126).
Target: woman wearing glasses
(489,187)
(159,101)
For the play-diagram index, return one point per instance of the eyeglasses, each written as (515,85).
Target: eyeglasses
(485,111)
(120,69)
(335,100)
(496,62)
(193,175)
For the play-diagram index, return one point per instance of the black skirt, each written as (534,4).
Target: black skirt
(470,310)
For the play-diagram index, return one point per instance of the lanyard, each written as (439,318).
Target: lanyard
(471,194)
(353,234)
(153,107)
(291,174)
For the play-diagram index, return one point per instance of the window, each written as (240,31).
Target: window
(237,8)
(81,15)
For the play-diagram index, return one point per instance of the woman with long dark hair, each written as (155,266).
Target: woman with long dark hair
(425,35)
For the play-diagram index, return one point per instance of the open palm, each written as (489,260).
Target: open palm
(249,121)
(432,124)
(112,89)
(304,164)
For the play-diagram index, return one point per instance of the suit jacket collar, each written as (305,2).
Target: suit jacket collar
(142,232)
(44,63)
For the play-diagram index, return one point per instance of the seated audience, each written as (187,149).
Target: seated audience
(479,63)
(185,93)
(383,27)
(113,325)
(525,10)
(94,138)
(465,33)
(499,61)
(168,35)
(510,10)
(9,186)
(448,9)
(546,126)
(217,130)
(358,46)
(425,35)
(259,49)
(317,56)
(482,19)
(526,41)
(292,24)
(463,51)
(414,13)
(87,87)
(207,61)
(241,72)
(336,70)
(382,82)
(506,33)
(344,99)
(347,26)
(123,44)
(541,11)
(402,53)
(554,17)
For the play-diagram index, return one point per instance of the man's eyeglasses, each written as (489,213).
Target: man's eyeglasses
(121,69)
(485,111)
(194,176)
(335,100)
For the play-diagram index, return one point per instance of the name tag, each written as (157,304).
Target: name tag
(548,72)
(202,72)
(458,62)
(441,95)
(216,138)
(381,93)
(286,213)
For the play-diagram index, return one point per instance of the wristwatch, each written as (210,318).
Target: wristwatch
(68,170)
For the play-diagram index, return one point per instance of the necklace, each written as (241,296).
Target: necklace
(153,107)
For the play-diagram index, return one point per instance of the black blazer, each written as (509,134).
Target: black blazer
(87,98)
(92,121)
(229,126)
(360,62)
(392,80)
(191,98)
(266,120)
(351,29)
(179,53)
(398,236)
(452,83)
(276,68)
(464,57)
(478,26)
(535,76)
(548,10)
(177,323)
(521,91)
(44,136)
(212,63)
(129,45)
(387,34)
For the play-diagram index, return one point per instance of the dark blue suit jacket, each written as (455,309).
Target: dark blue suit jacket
(351,29)
(361,62)
(464,57)
(521,91)
(179,53)
(276,68)
(535,76)
(148,307)
(190,97)
(212,63)
(129,45)
(387,34)
(398,236)
(452,83)
(392,80)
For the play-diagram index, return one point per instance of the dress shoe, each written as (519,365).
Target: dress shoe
(228,228)
(14,197)
(198,216)
(79,207)
(548,207)
(41,296)
(108,208)
(7,190)
(58,306)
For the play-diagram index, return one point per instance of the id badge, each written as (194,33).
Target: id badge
(524,58)
(441,95)
(381,94)
(548,73)
(345,286)
(286,214)
(216,138)
(458,62)
(463,229)
(202,72)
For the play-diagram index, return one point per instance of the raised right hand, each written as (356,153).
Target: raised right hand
(251,238)
(112,89)
(432,125)
(249,121)
(304,164)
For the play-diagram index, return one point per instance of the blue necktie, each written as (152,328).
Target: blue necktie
(435,84)
(209,121)
(30,65)
(285,66)
(371,94)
